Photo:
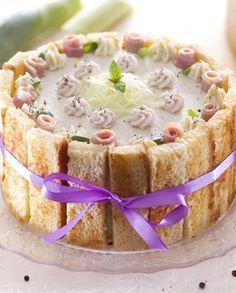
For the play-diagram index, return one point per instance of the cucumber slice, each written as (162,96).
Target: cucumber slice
(18,32)
(98,17)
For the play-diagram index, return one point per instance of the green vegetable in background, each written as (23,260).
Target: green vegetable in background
(18,32)
(98,17)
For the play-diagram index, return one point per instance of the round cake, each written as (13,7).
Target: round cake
(132,114)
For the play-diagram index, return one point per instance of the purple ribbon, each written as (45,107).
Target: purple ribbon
(82,192)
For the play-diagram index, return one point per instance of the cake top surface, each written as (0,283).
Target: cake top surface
(103,89)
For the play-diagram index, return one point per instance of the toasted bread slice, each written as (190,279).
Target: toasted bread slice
(167,167)
(199,145)
(129,177)
(88,162)
(7,81)
(47,153)
(15,187)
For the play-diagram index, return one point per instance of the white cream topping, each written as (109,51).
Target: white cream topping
(127,62)
(214,95)
(197,70)
(55,60)
(190,123)
(142,117)
(86,68)
(161,78)
(106,46)
(171,101)
(76,106)
(102,118)
(68,86)
(99,92)
(162,50)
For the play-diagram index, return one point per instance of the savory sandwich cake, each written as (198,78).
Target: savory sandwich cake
(133,114)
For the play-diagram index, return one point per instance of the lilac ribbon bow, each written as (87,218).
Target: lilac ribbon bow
(82,192)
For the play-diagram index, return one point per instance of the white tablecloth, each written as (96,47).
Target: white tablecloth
(200,21)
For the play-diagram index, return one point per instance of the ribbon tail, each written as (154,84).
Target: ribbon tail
(143,228)
(58,234)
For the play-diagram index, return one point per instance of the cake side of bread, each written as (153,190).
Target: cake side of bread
(15,187)
(47,153)
(129,177)
(167,165)
(88,163)
(199,145)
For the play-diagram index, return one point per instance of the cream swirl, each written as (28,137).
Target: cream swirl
(86,68)
(161,78)
(53,57)
(102,118)
(127,62)
(68,86)
(27,80)
(171,102)
(106,46)
(76,106)
(215,95)
(142,117)
(162,50)
(197,70)
(190,123)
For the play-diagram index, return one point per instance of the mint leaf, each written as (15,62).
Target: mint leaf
(90,47)
(143,52)
(42,55)
(120,86)
(192,114)
(186,70)
(158,141)
(80,138)
(115,72)
(36,84)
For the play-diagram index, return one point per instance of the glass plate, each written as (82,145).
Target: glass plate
(214,242)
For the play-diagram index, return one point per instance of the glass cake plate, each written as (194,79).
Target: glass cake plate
(214,242)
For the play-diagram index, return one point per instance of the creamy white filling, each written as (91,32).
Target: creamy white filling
(98,91)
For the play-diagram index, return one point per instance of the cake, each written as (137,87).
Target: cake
(133,114)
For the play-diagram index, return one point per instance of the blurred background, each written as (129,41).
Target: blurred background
(201,21)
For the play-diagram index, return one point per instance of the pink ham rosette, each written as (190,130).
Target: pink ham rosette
(185,58)
(209,110)
(72,46)
(133,42)
(172,131)
(46,122)
(24,95)
(105,137)
(209,78)
(35,66)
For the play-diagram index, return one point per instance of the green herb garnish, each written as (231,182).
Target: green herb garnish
(192,114)
(143,52)
(90,47)
(158,141)
(36,84)
(115,77)
(186,71)
(45,113)
(80,138)
(42,55)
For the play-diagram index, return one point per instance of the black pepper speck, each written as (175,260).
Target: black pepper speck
(202,285)
(26,278)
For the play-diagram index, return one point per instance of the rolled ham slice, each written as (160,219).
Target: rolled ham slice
(35,66)
(24,95)
(172,131)
(209,78)
(185,58)
(46,122)
(72,46)
(105,137)
(133,42)
(209,110)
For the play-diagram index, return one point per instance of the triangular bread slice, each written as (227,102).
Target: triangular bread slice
(15,187)
(167,168)
(47,153)
(88,162)
(129,177)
